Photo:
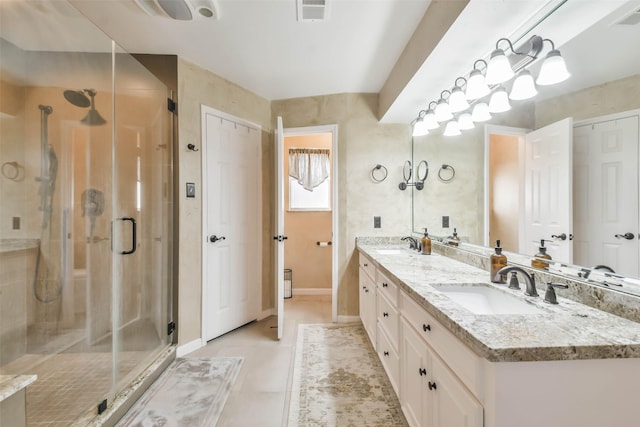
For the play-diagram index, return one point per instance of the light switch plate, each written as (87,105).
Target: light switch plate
(191,189)
(445,221)
(376,222)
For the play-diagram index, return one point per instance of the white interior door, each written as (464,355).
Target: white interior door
(279,238)
(548,190)
(231,206)
(606,195)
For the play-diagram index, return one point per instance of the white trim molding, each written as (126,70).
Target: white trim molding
(312,291)
(190,346)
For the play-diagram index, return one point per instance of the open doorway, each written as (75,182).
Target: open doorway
(310,215)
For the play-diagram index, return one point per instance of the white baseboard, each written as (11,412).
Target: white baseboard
(312,291)
(267,313)
(188,347)
(348,319)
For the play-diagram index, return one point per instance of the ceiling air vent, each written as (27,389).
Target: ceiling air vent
(312,10)
(633,19)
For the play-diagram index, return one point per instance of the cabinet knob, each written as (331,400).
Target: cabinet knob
(422,372)
(426,327)
(365,264)
(384,285)
(432,385)
(385,314)
(386,353)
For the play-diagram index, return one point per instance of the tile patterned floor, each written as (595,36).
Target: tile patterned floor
(260,396)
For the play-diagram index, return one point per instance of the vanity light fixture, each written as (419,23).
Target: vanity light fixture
(523,86)
(457,100)
(476,85)
(486,94)
(499,101)
(443,109)
(553,70)
(452,128)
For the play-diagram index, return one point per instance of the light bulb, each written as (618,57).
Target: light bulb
(443,111)
(523,86)
(452,129)
(553,70)
(498,69)
(480,112)
(465,121)
(457,100)
(476,86)
(419,128)
(499,101)
(430,121)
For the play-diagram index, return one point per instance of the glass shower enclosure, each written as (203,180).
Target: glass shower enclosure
(86,202)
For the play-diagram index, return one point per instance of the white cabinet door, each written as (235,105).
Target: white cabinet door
(368,305)
(415,367)
(453,404)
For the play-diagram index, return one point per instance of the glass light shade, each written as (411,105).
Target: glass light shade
(419,128)
(476,86)
(499,102)
(430,121)
(465,121)
(452,129)
(553,70)
(523,86)
(457,100)
(443,111)
(498,69)
(480,112)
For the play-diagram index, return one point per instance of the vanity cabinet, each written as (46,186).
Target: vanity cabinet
(431,394)
(388,328)
(367,293)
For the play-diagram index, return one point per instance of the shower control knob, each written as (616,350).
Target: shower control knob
(628,236)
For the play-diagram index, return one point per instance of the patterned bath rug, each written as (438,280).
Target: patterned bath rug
(190,392)
(338,380)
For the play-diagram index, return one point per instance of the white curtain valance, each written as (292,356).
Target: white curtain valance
(309,166)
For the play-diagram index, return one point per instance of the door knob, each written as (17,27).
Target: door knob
(215,238)
(562,236)
(628,236)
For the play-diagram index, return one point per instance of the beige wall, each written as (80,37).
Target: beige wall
(197,87)
(504,189)
(362,143)
(609,98)
(310,263)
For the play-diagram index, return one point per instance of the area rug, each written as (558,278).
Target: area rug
(190,392)
(338,380)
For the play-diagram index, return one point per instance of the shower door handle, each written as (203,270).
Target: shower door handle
(134,232)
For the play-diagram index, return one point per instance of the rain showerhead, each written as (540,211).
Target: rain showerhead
(79,99)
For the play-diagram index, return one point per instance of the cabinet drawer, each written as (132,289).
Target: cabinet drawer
(367,265)
(390,359)
(464,362)
(387,287)
(388,319)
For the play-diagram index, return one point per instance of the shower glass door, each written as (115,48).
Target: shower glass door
(85,212)
(142,207)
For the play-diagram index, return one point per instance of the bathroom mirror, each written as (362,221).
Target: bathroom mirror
(605,80)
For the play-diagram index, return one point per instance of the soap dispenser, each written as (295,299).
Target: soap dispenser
(542,258)
(454,240)
(498,261)
(426,243)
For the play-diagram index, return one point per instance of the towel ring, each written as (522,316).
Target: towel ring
(11,170)
(447,167)
(383,174)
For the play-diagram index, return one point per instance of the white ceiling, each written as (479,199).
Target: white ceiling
(259,44)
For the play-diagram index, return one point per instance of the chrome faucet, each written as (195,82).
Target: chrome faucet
(413,243)
(529,279)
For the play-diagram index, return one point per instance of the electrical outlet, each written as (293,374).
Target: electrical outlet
(377,222)
(445,221)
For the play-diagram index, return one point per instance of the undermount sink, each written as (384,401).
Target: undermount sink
(389,251)
(485,299)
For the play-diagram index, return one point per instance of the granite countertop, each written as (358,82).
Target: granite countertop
(567,331)
(11,384)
